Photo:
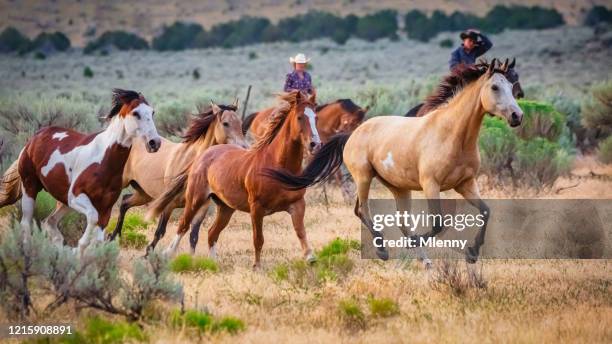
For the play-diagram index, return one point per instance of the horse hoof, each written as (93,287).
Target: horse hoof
(311,259)
(382,254)
(471,256)
(256,267)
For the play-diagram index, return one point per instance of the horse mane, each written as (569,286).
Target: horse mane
(122,97)
(286,101)
(347,105)
(200,124)
(459,77)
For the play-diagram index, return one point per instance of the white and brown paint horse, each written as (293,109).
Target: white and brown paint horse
(151,174)
(433,153)
(84,171)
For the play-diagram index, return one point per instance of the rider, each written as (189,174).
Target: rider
(299,79)
(470,49)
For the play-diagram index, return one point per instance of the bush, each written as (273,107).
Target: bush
(187,263)
(204,322)
(446,43)
(383,308)
(101,331)
(352,314)
(120,40)
(56,41)
(540,120)
(88,72)
(497,145)
(11,40)
(178,36)
(540,162)
(449,277)
(246,30)
(382,24)
(133,222)
(605,151)
(598,14)
(597,109)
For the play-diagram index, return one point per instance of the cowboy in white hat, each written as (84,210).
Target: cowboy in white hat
(299,79)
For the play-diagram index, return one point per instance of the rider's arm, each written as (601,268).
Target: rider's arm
(455,59)
(484,45)
(288,84)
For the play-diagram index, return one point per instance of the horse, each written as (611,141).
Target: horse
(433,153)
(231,177)
(511,74)
(84,171)
(340,116)
(150,174)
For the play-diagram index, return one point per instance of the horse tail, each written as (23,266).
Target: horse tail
(170,196)
(246,124)
(10,185)
(325,162)
(414,111)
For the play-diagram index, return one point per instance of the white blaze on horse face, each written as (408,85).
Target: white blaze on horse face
(312,119)
(388,163)
(498,98)
(141,125)
(60,136)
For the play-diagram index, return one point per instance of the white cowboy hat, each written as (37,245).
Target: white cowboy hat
(299,58)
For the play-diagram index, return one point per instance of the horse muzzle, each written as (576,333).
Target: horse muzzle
(153,145)
(314,147)
(516,118)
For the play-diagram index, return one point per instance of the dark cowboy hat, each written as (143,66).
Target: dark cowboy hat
(469,34)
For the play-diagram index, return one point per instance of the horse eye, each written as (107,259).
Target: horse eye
(299,118)
(225,124)
(495,88)
(136,114)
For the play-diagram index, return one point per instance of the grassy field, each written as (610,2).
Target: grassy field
(355,300)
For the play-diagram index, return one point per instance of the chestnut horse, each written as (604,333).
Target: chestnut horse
(510,74)
(83,171)
(433,153)
(341,116)
(151,174)
(231,176)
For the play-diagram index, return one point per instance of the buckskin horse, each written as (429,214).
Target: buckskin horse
(433,153)
(150,174)
(232,177)
(84,171)
(510,74)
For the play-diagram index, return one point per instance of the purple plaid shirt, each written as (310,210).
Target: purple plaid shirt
(294,82)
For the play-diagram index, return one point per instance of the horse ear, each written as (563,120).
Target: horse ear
(313,97)
(215,108)
(491,67)
(235,104)
(504,66)
(512,63)
(367,108)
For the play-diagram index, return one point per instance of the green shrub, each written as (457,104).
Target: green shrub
(178,36)
(497,145)
(382,24)
(131,239)
(39,55)
(352,314)
(338,246)
(446,43)
(11,40)
(187,263)
(101,331)
(120,40)
(605,151)
(88,72)
(540,120)
(598,14)
(132,222)
(383,307)
(597,109)
(204,322)
(540,162)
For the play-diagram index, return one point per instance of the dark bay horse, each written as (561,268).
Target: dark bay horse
(151,174)
(510,74)
(231,176)
(83,171)
(432,153)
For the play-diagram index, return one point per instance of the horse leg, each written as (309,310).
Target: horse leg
(193,204)
(160,231)
(224,214)
(432,193)
(403,203)
(50,223)
(28,204)
(195,227)
(297,210)
(469,191)
(83,204)
(362,211)
(128,201)
(257,215)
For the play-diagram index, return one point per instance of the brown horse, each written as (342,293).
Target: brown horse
(231,176)
(82,171)
(433,153)
(341,116)
(151,174)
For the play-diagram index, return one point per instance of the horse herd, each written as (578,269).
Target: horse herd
(214,163)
